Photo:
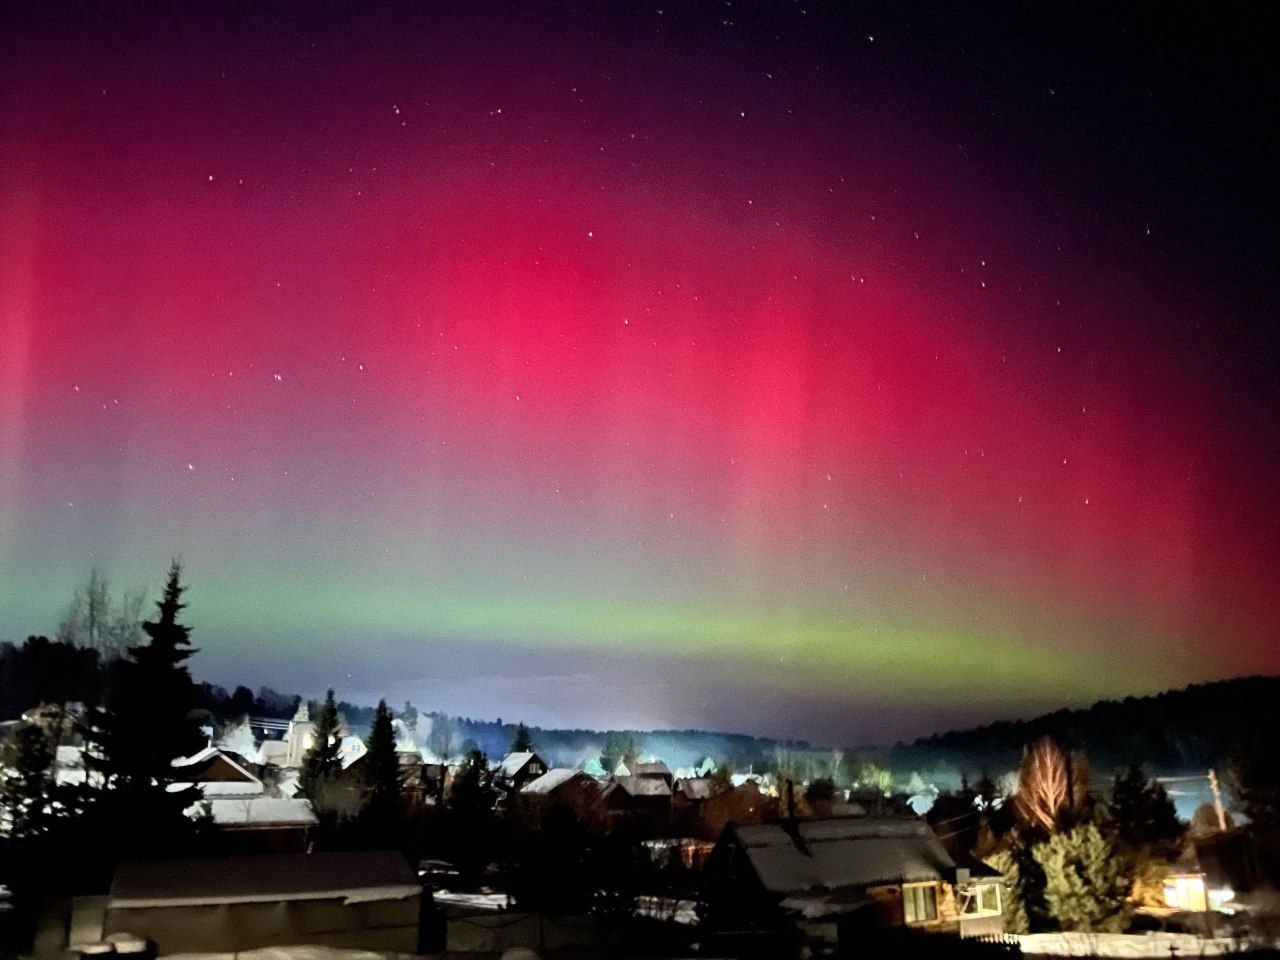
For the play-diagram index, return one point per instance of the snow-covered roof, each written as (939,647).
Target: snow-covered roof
(258,812)
(513,763)
(643,786)
(354,876)
(199,756)
(553,780)
(273,752)
(695,788)
(201,768)
(843,852)
(650,768)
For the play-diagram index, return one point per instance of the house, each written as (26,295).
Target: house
(836,877)
(640,798)
(652,769)
(563,787)
(274,753)
(366,900)
(687,797)
(692,791)
(688,853)
(560,782)
(218,772)
(258,824)
(518,769)
(236,801)
(1229,869)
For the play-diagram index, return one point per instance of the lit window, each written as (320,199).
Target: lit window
(980,900)
(1186,892)
(919,902)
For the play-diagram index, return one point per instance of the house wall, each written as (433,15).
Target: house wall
(889,911)
(387,925)
(248,840)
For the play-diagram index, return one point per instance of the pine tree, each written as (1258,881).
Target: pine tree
(25,782)
(470,815)
(382,804)
(1085,884)
(522,742)
(147,724)
(1016,917)
(1255,777)
(1141,811)
(320,764)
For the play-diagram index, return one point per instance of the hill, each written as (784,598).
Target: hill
(1178,730)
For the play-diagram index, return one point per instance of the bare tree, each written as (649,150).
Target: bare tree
(93,620)
(440,740)
(1044,785)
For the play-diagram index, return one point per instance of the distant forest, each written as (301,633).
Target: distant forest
(1171,732)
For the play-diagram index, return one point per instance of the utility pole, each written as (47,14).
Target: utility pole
(1217,800)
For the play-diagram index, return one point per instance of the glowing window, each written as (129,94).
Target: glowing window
(980,900)
(919,902)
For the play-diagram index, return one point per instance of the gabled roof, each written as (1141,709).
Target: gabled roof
(695,788)
(858,851)
(650,768)
(261,813)
(642,786)
(355,876)
(843,852)
(513,763)
(213,765)
(554,779)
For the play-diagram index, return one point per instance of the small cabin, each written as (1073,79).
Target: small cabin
(365,900)
(836,878)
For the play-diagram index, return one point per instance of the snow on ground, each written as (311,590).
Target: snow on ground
(1163,945)
(291,953)
(482,901)
(667,908)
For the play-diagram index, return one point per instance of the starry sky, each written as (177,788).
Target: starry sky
(844,371)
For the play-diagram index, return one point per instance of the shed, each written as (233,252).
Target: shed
(369,899)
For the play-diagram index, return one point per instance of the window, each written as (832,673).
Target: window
(980,900)
(919,902)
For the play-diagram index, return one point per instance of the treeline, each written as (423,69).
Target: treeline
(1178,730)
(41,670)
(47,671)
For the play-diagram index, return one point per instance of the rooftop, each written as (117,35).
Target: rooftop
(356,876)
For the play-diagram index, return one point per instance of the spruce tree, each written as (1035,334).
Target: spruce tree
(320,765)
(147,723)
(522,742)
(1085,884)
(382,806)
(470,815)
(1141,811)
(26,784)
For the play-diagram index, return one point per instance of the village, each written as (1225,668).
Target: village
(140,827)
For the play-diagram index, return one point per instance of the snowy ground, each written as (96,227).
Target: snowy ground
(482,901)
(667,908)
(291,953)
(1163,945)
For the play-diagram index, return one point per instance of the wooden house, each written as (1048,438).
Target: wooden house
(836,877)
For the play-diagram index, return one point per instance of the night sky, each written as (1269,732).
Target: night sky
(843,371)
